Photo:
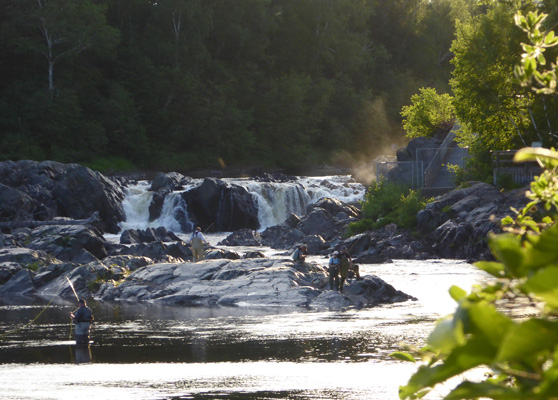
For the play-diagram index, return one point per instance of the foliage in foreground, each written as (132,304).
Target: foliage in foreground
(386,203)
(522,354)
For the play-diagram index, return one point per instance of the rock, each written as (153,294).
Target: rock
(318,222)
(128,262)
(16,205)
(369,292)
(315,244)
(7,270)
(254,282)
(27,258)
(20,284)
(225,207)
(282,237)
(160,234)
(66,242)
(43,190)
(221,254)
(242,237)
(253,254)
(334,207)
(171,181)
(371,256)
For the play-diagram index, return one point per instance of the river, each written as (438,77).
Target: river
(141,351)
(148,352)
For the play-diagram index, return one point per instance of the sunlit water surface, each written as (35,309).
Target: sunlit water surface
(152,352)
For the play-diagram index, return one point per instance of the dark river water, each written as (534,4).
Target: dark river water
(151,352)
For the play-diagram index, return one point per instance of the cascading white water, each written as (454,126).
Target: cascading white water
(275,200)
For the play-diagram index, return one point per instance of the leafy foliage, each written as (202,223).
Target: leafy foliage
(522,354)
(428,113)
(385,203)
(176,84)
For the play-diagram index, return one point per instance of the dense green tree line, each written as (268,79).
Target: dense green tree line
(496,112)
(176,84)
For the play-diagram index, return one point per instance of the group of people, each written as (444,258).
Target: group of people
(339,268)
(340,264)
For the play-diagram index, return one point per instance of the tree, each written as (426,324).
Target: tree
(495,111)
(428,113)
(58,29)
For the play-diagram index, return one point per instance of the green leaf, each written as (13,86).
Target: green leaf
(457,293)
(543,251)
(534,153)
(400,355)
(447,335)
(474,353)
(493,268)
(470,390)
(507,249)
(488,324)
(544,284)
(527,339)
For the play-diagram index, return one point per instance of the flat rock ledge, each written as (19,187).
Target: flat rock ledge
(271,282)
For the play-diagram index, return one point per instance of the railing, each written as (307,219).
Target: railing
(520,173)
(436,163)
(408,172)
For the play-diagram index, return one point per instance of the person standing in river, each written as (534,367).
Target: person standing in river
(333,271)
(82,319)
(197,240)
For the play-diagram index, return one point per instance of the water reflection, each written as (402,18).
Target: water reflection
(82,354)
(156,352)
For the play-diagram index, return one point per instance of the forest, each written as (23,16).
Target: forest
(181,84)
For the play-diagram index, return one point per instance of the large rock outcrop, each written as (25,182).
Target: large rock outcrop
(31,190)
(222,206)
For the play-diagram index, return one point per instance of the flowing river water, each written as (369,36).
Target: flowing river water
(142,351)
(147,352)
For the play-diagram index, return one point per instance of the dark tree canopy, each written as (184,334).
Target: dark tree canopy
(178,84)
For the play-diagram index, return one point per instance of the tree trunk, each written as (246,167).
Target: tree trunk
(33,224)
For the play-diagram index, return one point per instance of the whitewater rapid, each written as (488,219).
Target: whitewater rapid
(275,200)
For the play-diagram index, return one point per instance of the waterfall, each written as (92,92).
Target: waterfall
(275,200)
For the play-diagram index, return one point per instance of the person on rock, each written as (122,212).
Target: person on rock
(197,241)
(345,263)
(82,318)
(333,270)
(299,255)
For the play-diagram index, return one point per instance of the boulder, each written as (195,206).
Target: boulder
(225,207)
(334,207)
(7,270)
(318,222)
(252,282)
(20,284)
(242,237)
(43,190)
(68,242)
(159,234)
(170,181)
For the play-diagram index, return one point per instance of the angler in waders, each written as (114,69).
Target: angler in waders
(345,262)
(82,318)
(197,240)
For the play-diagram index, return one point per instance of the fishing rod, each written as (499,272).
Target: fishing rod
(2,336)
(72,286)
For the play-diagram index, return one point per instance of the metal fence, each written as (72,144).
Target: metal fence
(503,165)
(406,172)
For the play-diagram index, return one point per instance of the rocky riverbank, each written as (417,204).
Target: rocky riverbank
(154,265)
